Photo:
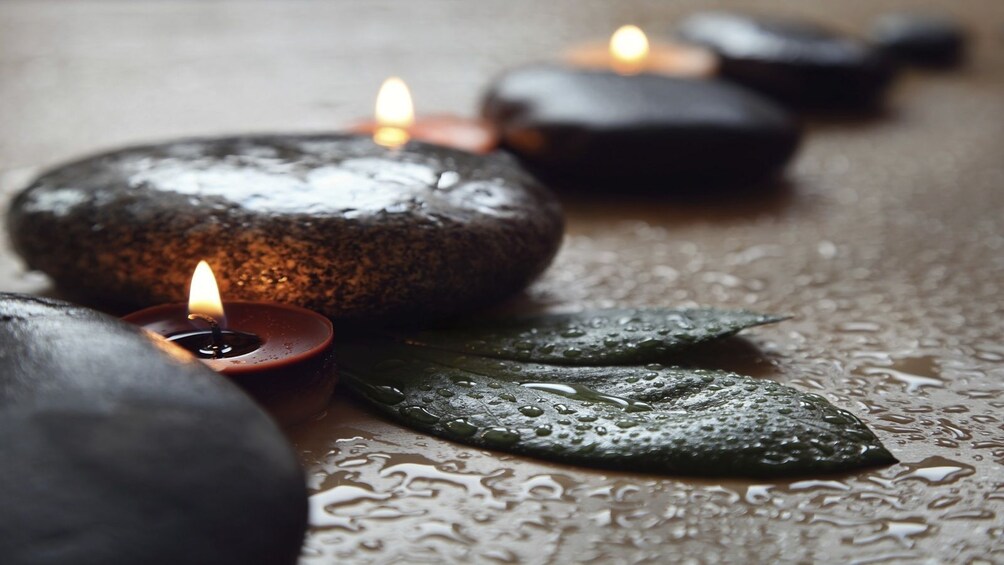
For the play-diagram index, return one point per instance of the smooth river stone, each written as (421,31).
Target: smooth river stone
(921,39)
(796,62)
(598,129)
(333,223)
(121,449)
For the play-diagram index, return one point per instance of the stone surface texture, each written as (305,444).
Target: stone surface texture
(333,223)
(886,246)
(120,450)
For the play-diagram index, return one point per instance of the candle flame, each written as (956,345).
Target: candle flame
(629,48)
(204,296)
(395,113)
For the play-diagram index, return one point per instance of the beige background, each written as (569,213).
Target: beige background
(886,243)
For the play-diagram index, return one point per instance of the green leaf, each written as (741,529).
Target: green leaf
(642,417)
(606,337)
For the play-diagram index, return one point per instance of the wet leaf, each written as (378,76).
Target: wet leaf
(645,417)
(606,337)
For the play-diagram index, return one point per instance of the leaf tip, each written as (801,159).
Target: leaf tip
(878,454)
(764,319)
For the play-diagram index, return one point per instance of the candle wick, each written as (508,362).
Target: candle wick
(217,334)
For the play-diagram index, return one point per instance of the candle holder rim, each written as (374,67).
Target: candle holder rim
(242,369)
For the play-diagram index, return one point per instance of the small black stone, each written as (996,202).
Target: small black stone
(798,63)
(921,39)
(645,132)
(333,223)
(120,450)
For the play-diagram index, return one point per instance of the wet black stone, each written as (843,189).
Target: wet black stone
(117,450)
(796,62)
(641,132)
(921,39)
(332,223)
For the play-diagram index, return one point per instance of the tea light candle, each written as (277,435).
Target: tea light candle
(278,353)
(395,123)
(629,52)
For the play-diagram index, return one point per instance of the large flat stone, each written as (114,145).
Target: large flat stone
(333,223)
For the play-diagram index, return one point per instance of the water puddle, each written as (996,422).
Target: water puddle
(442,530)
(902,532)
(543,487)
(413,473)
(818,485)
(914,373)
(859,327)
(323,506)
(935,471)
(758,494)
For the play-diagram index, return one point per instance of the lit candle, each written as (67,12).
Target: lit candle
(280,354)
(395,123)
(629,52)
(395,114)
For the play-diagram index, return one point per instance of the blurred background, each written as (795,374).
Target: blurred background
(80,75)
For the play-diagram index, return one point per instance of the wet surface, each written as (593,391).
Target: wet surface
(886,244)
(341,176)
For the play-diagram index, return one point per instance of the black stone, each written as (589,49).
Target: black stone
(798,63)
(640,132)
(121,450)
(921,39)
(333,223)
